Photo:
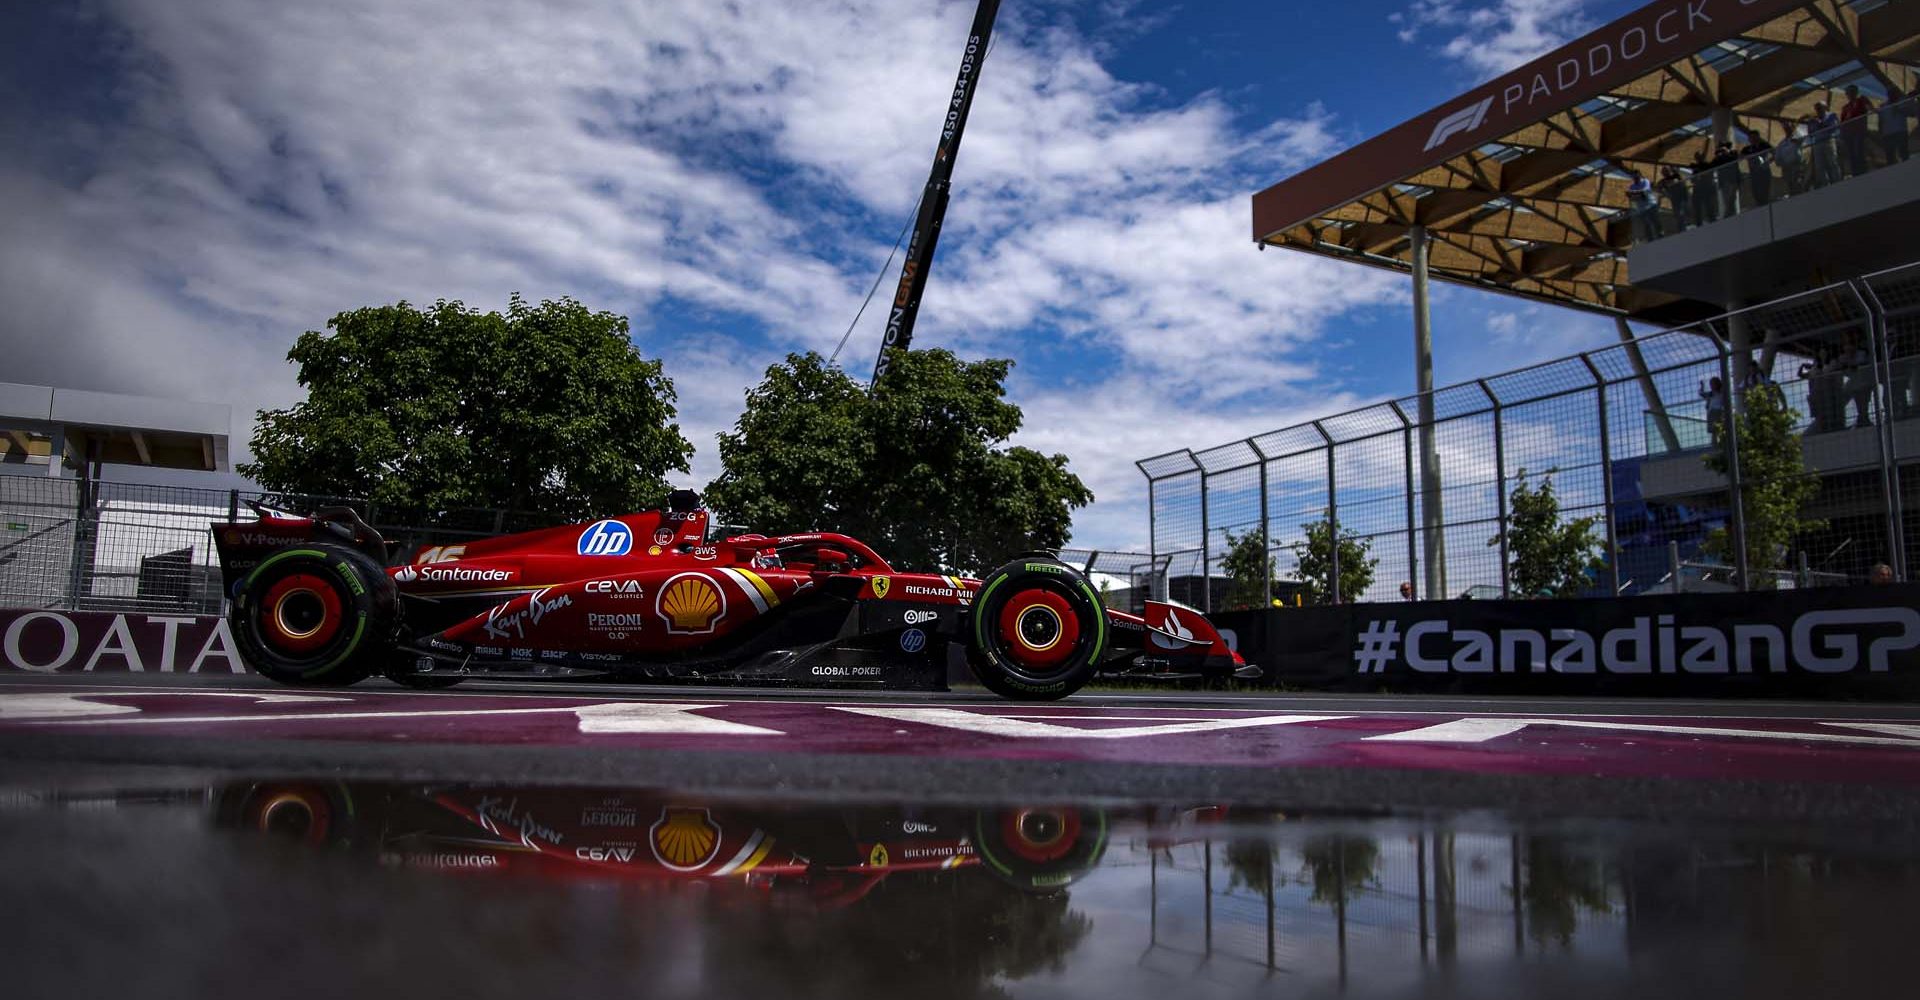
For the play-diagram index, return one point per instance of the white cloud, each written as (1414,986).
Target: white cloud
(269,165)
(1491,38)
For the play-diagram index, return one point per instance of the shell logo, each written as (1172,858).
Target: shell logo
(690,604)
(684,839)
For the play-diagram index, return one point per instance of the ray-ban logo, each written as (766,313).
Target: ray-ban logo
(1464,120)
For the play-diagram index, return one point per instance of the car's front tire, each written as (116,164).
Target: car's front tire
(315,615)
(1037,630)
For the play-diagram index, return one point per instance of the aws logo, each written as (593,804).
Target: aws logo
(690,604)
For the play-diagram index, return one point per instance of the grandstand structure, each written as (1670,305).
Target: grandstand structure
(1731,177)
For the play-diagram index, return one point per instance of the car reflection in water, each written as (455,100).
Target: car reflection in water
(583,891)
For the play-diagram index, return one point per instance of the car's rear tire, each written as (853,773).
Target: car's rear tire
(319,814)
(1040,849)
(315,615)
(1037,630)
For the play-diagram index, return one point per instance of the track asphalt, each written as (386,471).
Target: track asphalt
(1721,760)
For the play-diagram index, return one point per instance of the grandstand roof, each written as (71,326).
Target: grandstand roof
(41,424)
(1521,182)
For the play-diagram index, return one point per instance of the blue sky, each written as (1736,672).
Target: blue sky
(192,183)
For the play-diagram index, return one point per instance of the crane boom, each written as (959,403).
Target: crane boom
(933,204)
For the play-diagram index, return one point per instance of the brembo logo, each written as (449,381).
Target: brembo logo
(1820,642)
(1464,120)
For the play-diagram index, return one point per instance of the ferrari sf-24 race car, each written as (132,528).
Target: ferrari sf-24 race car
(649,596)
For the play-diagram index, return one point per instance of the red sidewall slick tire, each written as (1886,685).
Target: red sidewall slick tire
(314,615)
(1037,630)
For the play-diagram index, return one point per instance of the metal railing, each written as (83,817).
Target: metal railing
(1809,157)
(1630,435)
(73,544)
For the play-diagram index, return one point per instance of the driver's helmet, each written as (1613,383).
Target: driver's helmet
(767,560)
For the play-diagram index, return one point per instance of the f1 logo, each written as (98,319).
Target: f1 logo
(1464,120)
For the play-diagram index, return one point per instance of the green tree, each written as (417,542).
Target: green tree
(1249,863)
(1313,560)
(1250,568)
(1548,557)
(920,469)
(548,409)
(1337,865)
(1559,884)
(1775,487)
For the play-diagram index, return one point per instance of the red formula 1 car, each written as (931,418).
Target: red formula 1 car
(650,596)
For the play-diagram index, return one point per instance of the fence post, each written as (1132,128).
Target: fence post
(233,506)
(1500,486)
(1606,473)
(1206,544)
(1333,519)
(1673,565)
(1266,542)
(1736,496)
(1153,530)
(1882,349)
(1406,458)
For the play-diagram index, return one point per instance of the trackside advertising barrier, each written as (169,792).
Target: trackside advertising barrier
(1830,642)
(54,642)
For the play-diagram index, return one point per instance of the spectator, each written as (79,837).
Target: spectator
(1858,387)
(1759,166)
(1791,160)
(1880,574)
(1893,125)
(1726,163)
(1905,352)
(1673,184)
(1706,200)
(1820,132)
(1644,208)
(1853,130)
(1406,590)
(1823,391)
(1715,393)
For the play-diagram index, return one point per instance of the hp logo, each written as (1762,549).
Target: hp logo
(605,538)
(912,641)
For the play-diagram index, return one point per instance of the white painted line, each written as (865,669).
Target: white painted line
(1480,730)
(61,705)
(294,716)
(648,717)
(1003,725)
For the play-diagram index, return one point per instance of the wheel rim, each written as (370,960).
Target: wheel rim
(294,813)
(1038,629)
(1040,835)
(299,614)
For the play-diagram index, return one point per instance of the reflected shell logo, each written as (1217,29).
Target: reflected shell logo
(691,604)
(880,586)
(684,839)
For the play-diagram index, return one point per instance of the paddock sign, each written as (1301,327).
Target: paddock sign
(55,642)
(1829,641)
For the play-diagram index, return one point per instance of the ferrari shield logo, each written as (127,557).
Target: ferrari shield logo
(877,857)
(684,839)
(880,585)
